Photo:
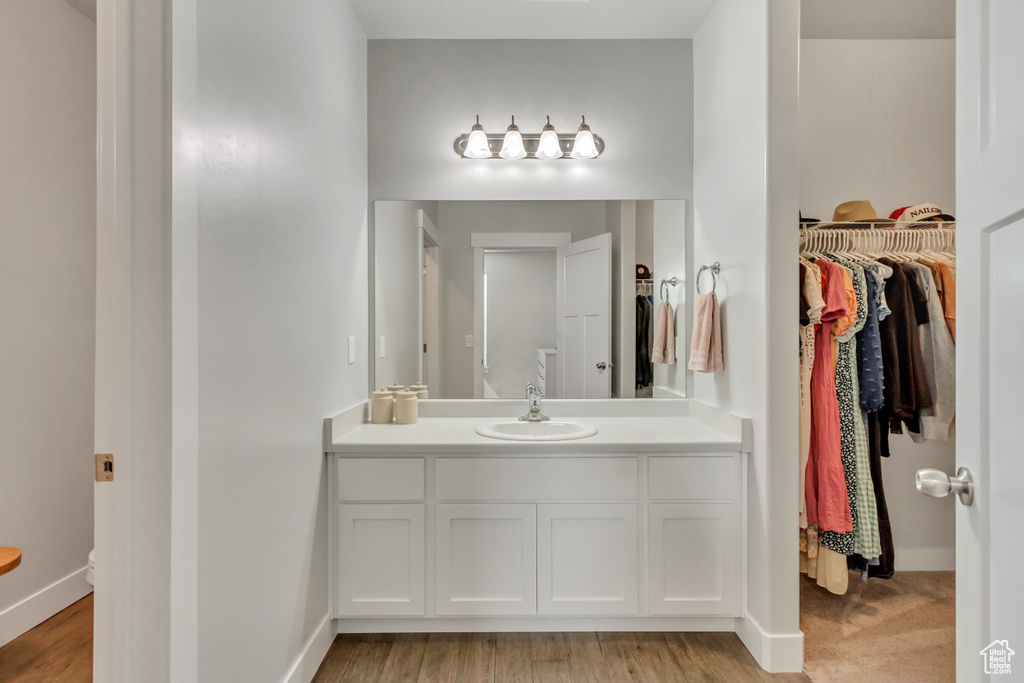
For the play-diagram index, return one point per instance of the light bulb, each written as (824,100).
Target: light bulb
(476,145)
(584,146)
(512,147)
(549,147)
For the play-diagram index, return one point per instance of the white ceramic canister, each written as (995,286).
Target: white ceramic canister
(382,407)
(395,387)
(420,389)
(405,407)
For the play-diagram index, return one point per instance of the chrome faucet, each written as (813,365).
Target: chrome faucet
(534,415)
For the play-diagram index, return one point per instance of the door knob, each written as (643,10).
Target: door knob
(938,484)
(602,365)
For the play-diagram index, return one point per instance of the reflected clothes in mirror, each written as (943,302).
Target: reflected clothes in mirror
(644,341)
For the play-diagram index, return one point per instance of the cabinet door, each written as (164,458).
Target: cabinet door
(486,559)
(587,559)
(381,565)
(695,559)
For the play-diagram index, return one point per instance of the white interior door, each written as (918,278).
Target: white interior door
(990,369)
(585,318)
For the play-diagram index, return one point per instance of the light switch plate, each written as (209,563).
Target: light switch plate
(382,347)
(351,350)
(469,341)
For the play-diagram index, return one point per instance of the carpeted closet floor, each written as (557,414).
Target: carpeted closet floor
(901,631)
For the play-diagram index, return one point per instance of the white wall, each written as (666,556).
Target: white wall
(893,156)
(741,52)
(397,291)
(457,221)
(47,304)
(282,241)
(521,303)
(425,93)
(645,233)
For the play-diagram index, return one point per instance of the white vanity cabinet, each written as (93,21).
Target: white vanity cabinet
(380,546)
(538,535)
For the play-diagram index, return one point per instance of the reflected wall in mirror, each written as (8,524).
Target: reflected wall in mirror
(478,298)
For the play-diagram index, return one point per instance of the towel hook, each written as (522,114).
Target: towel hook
(672,281)
(715,268)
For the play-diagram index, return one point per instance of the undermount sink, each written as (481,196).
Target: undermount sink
(552,430)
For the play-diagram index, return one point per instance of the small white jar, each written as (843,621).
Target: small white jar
(420,389)
(382,407)
(406,407)
(395,388)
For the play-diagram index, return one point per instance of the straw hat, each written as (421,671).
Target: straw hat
(857,211)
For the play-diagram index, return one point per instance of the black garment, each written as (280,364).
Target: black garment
(878,440)
(805,305)
(906,386)
(644,368)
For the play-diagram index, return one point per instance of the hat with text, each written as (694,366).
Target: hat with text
(921,213)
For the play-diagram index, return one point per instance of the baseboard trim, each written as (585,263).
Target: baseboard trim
(775,653)
(37,608)
(531,623)
(313,654)
(925,559)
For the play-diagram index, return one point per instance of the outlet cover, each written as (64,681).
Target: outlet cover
(351,350)
(469,341)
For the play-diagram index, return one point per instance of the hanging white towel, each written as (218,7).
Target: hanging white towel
(706,345)
(664,350)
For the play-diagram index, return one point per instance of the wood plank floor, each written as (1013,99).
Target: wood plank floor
(57,650)
(543,658)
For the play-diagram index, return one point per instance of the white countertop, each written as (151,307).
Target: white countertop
(614,435)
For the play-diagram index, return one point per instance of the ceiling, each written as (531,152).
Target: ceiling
(86,7)
(879,19)
(524,19)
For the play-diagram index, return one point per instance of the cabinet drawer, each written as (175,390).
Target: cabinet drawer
(371,479)
(512,479)
(696,477)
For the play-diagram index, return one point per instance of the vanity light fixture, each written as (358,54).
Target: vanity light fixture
(476,144)
(548,147)
(584,147)
(513,144)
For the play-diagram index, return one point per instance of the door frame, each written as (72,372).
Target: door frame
(497,241)
(428,304)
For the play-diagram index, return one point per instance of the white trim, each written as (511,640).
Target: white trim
(775,653)
(183,646)
(925,559)
(519,240)
(478,322)
(40,606)
(534,623)
(305,667)
(423,221)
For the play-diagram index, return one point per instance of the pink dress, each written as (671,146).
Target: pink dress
(825,479)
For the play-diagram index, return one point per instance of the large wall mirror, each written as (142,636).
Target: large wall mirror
(476,299)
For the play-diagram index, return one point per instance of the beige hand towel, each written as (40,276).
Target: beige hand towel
(664,350)
(706,345)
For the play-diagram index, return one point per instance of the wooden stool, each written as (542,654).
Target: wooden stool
(9,559)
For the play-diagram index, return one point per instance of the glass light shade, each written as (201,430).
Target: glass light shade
(584,146)
(549,147)
(512,147)
(476,146)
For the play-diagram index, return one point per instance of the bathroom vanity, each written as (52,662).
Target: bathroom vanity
(640,526)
